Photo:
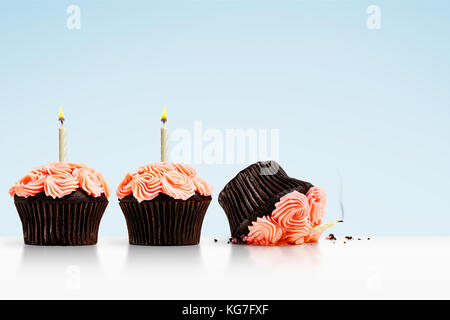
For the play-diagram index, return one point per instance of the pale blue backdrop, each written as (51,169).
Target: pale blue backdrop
(371,106)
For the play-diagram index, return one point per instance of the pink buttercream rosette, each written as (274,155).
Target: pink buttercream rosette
(292,220)
(58,179)
(178,181)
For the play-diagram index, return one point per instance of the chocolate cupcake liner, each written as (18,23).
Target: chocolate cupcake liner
(254,192)
(165,221)
(50,222)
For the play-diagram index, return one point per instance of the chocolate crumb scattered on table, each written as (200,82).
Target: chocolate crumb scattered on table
(331,237)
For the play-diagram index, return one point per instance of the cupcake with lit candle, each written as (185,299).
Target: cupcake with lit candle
(265,206)
(61,203)
(164,203)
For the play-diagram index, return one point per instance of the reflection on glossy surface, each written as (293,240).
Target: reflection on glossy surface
(169,258)
(60,268)
(380,268)
(48,258)
(276,257)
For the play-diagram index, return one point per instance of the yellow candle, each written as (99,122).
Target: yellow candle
(164,138)
(62,138)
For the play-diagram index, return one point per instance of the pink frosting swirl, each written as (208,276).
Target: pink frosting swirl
(295,215)
(58,186)
(89,181)
(202,187)
(125,187)
(57,180)
(146,186)
(186,169)
(173,179)
(264,231)
(59,169)
(292,213)
(161,168)
(177,185)
(317,199)
(41,170)
(104,184)
(12,191)
(28,186)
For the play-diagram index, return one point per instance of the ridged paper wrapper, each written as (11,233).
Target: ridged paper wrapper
(165,221)
(73,220)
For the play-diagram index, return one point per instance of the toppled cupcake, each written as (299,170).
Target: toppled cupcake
(164,204)
(265,206)
(61,204)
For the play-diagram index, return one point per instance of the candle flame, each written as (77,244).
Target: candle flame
(164,115)
(61,115)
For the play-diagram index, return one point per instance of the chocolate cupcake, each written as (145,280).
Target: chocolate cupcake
(164,204)
(267,207)
(61,204)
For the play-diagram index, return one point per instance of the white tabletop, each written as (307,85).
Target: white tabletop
(380,268)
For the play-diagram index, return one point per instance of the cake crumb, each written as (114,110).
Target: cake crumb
(349,237)
(215,240)
(331,237)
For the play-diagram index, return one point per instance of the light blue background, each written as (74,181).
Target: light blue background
(372,105)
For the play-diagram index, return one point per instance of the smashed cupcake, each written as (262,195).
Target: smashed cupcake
(61,204)
(164,204)
(265,206)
